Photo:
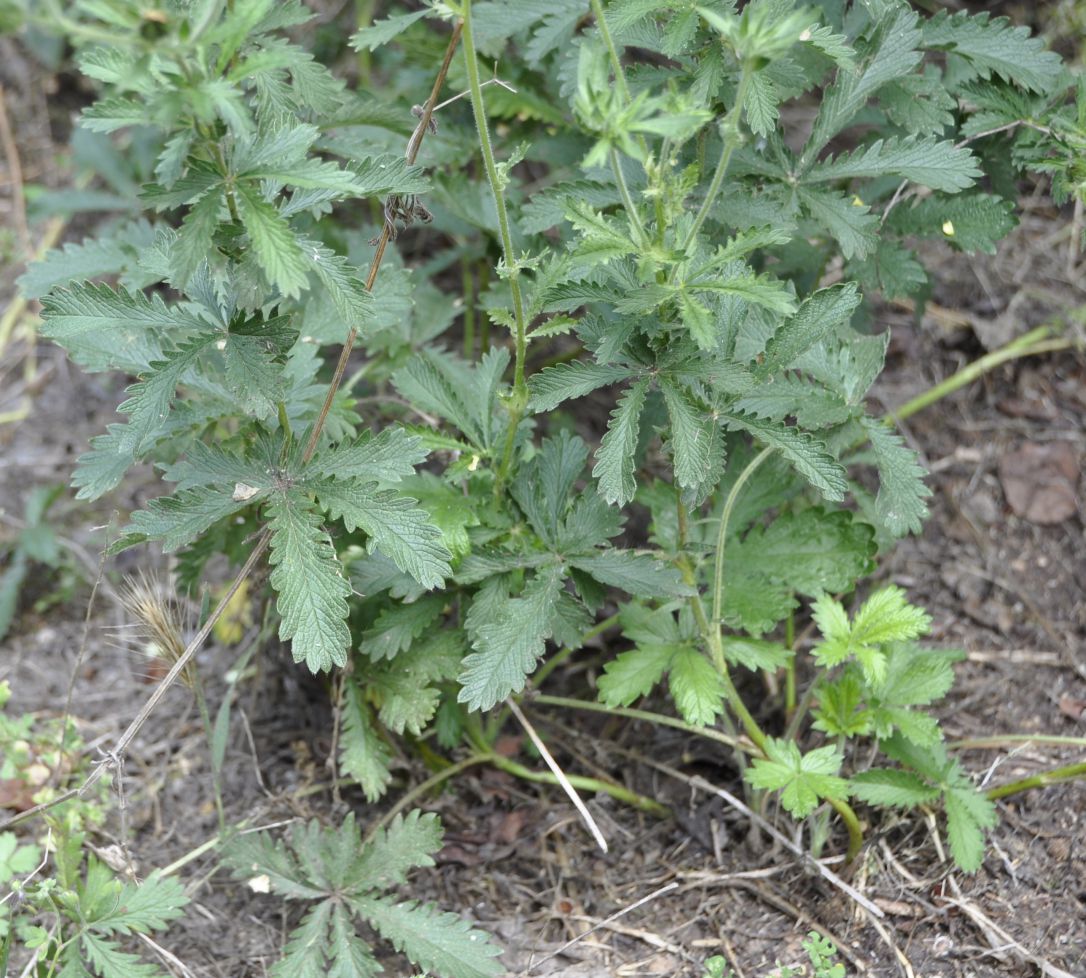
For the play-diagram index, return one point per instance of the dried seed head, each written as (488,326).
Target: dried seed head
(160,621)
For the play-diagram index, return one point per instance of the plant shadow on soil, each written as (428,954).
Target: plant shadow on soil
(1004,587)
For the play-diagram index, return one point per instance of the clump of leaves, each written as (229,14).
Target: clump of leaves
(92,911)
(347,880)
(687,256)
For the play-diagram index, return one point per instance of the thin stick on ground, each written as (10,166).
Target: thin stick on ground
(601,924)
(586,815)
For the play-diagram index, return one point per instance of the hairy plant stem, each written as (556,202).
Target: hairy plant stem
(852,824)
(1043,339)
(661,719)
(1069,772)
(722,534)
(1001,740)
(612,51)
(518,402)
(472,760)
(582,783)
(413,146)
(627,200)
(730,134)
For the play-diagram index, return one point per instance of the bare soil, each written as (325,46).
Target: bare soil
(1001,565)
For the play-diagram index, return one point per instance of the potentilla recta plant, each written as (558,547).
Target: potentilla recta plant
(613,351)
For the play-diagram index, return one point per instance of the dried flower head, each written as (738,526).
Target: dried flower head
(160,621)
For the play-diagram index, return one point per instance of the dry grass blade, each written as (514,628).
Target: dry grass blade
(586,815)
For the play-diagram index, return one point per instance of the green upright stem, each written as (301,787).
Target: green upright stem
(519,401)
(790,668)
(612,51)
(722,533)
(627,199)
(852,823)
(729,132)
(468,288)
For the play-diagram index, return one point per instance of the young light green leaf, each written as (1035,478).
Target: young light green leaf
(634,673)
(803,779)
(696,687)
(892,788)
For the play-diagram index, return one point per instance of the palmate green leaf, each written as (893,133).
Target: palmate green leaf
(803,452)
(388,456)
(382,31)
(696,454)
(634,673)
(849,220)
(891,54)
(755,603)
(93,258)
(276,247)
(900,503)
(601,239)
(614,468)
(108,959)
(756,654)
(179,519)
(407,691)
(195,238)
(542,487)
(364,753)
(971,222)
(968,814)
(304,954)
(566,381)
(641,575)
(892,788)
(811,551)
(695,686)
(510,639)
(251,354)
(995,47)
(802,779)
(340,281)
(793,395)
(73,312)
(394,522)
(407,842)
(892,269)
(148,402)
(351,956)
(432,940)
(102,468)
(398,625)
(939,164)
(309,582)
(819,314)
